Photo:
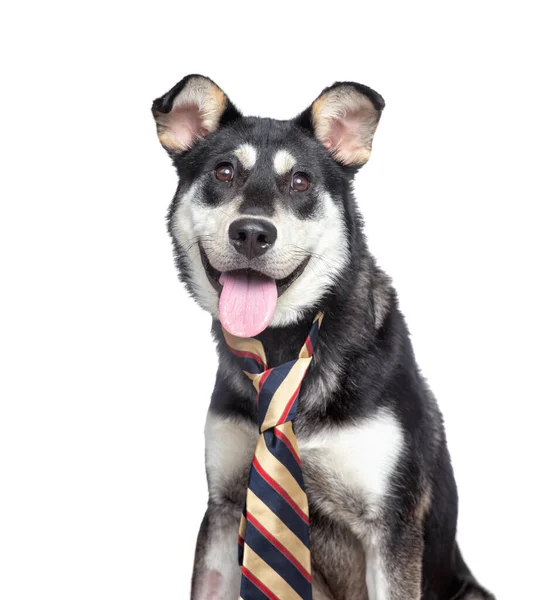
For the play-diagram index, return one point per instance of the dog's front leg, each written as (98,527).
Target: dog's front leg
(216,570)
(394,563)
(229,447)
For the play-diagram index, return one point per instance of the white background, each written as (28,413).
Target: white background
(107,365)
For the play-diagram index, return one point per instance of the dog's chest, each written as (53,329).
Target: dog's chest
(345,468)
(349,470)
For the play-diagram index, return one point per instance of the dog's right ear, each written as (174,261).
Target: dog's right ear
(191,110)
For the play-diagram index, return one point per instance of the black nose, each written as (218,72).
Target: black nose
(252,237)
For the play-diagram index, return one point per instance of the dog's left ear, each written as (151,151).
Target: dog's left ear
(190,111)
(344,119)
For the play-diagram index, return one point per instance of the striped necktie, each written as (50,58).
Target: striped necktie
(274,550)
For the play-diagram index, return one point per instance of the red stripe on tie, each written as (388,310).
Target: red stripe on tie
(280,490)
(309,346)
(263,377)
(261,382)
(289,405)
(278,545)
(258,584)
(286,441)
(241,540)
(245,354)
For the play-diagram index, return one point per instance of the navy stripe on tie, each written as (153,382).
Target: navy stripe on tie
(270,385)
(241,553)
(292,406)
(314,334)
(249,591)
(279,506)
(251,365)
(277,560)
(282,453)
(241,541)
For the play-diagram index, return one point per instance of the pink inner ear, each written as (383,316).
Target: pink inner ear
(185,125)
(345,135)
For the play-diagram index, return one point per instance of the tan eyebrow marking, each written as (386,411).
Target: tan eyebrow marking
(247,154)
(284,161)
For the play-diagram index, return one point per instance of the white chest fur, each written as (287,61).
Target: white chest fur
(363,456)
(359,458)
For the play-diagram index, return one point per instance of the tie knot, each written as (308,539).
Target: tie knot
(278,390)
(278,387)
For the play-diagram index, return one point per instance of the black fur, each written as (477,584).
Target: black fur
(364,334)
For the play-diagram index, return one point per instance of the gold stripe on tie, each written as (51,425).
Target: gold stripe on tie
(250,345)
(305,351)
(281,475)
(277,528)
(287,430)
(255,379)
(242,527)
(268,576)
(284,393)
(319,318)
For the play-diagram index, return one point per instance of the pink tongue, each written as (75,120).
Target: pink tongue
(247,303)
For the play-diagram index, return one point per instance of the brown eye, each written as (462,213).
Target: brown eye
(224,172)
(300,182)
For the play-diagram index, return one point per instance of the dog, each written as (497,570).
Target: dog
(268,204)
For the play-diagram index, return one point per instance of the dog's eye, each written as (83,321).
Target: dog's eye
(300,182)
(224,172)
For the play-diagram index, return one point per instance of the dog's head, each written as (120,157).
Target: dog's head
(259,221)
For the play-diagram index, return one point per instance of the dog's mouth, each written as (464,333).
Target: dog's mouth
(247,297)
(213,275)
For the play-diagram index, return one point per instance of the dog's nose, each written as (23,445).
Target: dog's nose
(252,237)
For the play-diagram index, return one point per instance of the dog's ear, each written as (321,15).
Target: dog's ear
(344,119)
(191,110)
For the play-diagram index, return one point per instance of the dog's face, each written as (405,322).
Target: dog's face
(259,219)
